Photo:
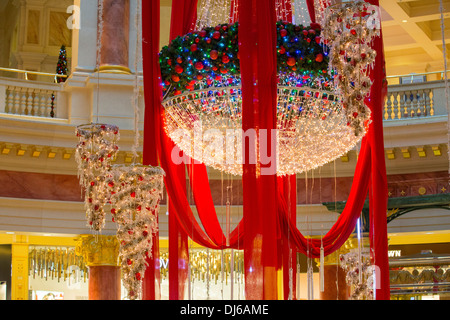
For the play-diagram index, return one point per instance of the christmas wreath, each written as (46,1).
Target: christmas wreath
(212,55)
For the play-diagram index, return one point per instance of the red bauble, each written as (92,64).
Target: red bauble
(175,78)
(133,194)
(145,233)
(214,54)
(179,60)
(194,47)
(198,65)
(319,57)
(317,39)
(225,58)
(283,32)
(291,61)
(216,35)
(202,33)
(282,50)
(138,276)
(178,69)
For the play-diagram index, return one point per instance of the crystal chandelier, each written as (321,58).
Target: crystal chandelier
(318,120)
(350,28)
(94,153)
(360,274)
(135,195)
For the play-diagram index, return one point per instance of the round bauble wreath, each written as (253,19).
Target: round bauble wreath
(212,55)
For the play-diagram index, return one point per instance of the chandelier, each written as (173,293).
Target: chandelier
(317,120)
(94,153)
(360,274)
(135,195)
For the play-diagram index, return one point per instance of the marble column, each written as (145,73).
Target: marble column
(335,286)
(101,256)
(115,37)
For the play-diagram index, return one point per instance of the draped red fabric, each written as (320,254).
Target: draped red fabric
(379,192)
(287,204)
(183,17)
(257,47)
(151,288)
(311,10)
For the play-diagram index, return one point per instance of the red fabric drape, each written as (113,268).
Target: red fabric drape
(183,17)
(151,289)
(257,47)
(379,192)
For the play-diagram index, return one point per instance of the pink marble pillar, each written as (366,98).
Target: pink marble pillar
(104,283)
(115,36)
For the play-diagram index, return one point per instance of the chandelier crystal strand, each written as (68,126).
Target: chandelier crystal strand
(348,30)
(136,192)
(94,153)
(213,12)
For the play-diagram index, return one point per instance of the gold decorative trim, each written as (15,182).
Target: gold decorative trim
(114,69)
(98,250)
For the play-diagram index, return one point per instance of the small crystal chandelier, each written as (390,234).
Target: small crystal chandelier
(360,275)
(95,151)
(349,29)
(135,195)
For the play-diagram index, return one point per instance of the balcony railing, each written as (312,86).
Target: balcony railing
(415,97)
(411,97)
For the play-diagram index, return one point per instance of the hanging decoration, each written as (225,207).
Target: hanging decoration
(135,195)
(203,98)
(360,274)
(94,153)
(57,263)
(349,30)
(136,191)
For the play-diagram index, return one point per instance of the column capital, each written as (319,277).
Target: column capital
(98,250)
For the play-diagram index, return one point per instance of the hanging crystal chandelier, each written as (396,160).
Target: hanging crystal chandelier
(135,195)
(94,153)
(360,274)
(350,28)
(317,119)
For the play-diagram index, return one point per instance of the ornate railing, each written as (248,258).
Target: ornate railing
(415,97)
(30,98)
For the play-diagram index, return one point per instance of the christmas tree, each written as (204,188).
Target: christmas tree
(61,68)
